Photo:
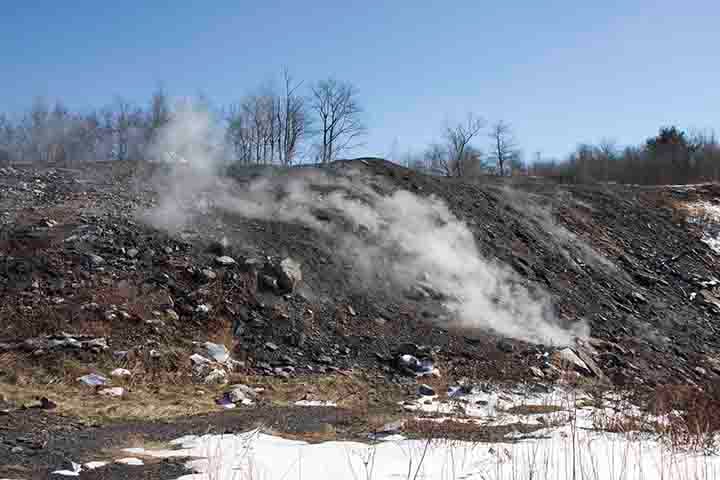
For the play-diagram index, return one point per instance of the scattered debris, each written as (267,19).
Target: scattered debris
(120,373)
(93,380)
(112,392)
(426,390)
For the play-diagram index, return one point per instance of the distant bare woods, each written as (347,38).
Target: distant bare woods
(290,122)
(273,124)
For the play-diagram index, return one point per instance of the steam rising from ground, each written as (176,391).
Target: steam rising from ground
(400,236)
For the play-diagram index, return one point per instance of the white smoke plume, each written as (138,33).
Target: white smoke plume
(410,239)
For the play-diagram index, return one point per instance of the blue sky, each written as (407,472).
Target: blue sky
(561,72)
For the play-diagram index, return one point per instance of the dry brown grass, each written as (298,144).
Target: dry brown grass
(356,392)
(533,409)
(692,415)
(141,403)
(170,397)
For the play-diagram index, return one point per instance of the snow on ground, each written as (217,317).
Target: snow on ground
(563,453)
(567,443)
(567,447)
(493,407)
(708,214)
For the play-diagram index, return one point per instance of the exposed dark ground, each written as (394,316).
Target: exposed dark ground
(629,266)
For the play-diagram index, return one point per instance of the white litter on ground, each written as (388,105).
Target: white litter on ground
(315,403)
(130,461)
(74,471)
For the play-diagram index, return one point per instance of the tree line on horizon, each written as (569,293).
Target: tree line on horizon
(294,123)
(673,156)
(272,125)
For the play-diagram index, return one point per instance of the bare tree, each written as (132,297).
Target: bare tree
(458,140)
(7,139)
(436,159)
(503,150)
(606,153)
(292,120)
(159,114)
(266,127)
(127,123)
(337,108)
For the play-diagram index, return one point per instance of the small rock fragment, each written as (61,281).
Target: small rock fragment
(216,376)
(96,259)
(225,260)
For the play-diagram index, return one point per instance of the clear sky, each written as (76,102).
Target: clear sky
(561,72)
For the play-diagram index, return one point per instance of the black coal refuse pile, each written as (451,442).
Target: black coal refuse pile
(83,275)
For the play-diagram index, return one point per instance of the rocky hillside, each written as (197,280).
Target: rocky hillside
(91,279)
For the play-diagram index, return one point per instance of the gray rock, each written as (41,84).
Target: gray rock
(268,282)
(392,427)
(217,352)
(645,279)
(96,344)
(132,253)
(225,260)
(567,358)
(289,275)
(638,297)
(415,292)
(241,394)
(198,359)
(234,365)
(216,377)
(209,274)
(271,346)
(505,346)
(325,359)
(64,343)
(96,259)
(585,356)
(282,372)
(203,308)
